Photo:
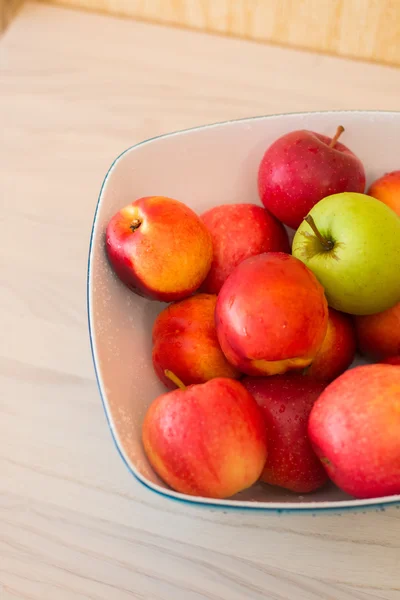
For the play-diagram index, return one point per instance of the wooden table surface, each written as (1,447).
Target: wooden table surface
(75,90)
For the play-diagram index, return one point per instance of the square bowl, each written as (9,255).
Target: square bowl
(203,167)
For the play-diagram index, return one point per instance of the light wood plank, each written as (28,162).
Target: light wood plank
(77,89)
(366,29)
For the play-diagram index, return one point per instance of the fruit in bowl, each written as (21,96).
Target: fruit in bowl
(286,402)
(351,242)
(378,336)
(302,167)
(206,440)
(289,327)
(387,189)
(159,248)
(239,231)
(337,351)
(185,342)
(354,427)
(271,315)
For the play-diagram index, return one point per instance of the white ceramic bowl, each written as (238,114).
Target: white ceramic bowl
(202,167)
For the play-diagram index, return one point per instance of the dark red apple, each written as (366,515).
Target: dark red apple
(286,401)
(391,360)
(302,167)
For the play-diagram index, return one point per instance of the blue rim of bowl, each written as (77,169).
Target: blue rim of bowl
(317,507)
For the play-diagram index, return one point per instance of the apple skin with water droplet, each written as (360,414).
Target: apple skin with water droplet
(360,269)
(286,402)
(159,248)
(302,167)
(185,342)
(271,315)
(354,428)
(206,440)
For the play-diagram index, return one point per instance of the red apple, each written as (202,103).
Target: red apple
(286,401)
(239,231)
(159,248)
(337,351)
(302,167)
(387,189)
(354,427)
(378,335)
(391,360)
(271,315)
(206,440)
(185,342)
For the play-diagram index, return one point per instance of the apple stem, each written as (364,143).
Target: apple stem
(136,223)
(337,135)
(175,379)
(326,244)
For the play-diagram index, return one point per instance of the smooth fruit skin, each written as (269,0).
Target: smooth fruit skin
(167,256)
(391,360)
(337,351)
(299,169)
(208,440)
(361,274)
(239,231)
(387,190)
(355,429)
(185,342)
(271,315)
(286,402)
(378,336)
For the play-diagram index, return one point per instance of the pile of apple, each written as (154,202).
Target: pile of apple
(256,343)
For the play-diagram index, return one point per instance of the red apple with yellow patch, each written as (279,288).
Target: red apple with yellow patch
(159,248)
(239,231)
(206,440)
(185,341)
(387,189)
(338,348)
(271,315)
(378,336)
(354,427)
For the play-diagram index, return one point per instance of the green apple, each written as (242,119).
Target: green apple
(351,242)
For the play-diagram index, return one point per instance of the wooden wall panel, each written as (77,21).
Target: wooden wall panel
(8,8)
(362,29)
(366,29)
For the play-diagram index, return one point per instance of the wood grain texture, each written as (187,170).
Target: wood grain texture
(366,29)
(76,90)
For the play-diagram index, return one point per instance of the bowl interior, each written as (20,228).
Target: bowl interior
(202,167)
